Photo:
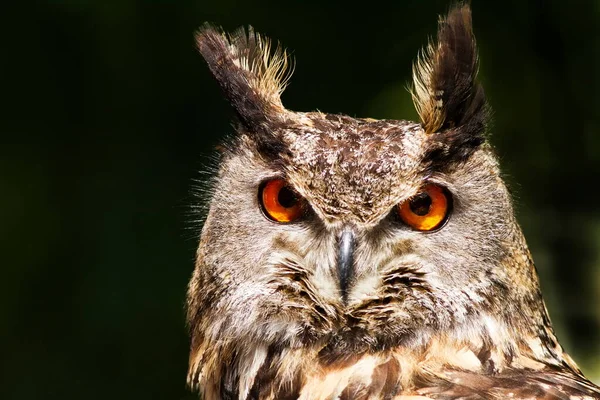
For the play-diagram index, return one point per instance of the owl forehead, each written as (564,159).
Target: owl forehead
(353,169)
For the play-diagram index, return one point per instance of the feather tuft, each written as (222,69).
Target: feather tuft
(448,98)
(445,91)
(252,72)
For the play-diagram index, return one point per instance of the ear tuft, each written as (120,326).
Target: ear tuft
(445,91)
(250,71)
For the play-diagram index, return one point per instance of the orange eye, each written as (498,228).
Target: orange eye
(426,210)
(280,202)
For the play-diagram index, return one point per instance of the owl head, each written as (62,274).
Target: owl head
(350,235)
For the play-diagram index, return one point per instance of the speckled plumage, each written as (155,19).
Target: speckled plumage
(451,314)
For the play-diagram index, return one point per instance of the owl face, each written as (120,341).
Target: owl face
(349,264)
(362,233)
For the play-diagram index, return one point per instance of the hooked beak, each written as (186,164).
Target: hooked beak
(345,261)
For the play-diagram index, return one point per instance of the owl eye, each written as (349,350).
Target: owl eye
(427,210)
(280,202)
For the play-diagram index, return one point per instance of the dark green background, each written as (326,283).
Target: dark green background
(109,113)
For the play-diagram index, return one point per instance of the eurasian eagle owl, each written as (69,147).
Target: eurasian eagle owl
(349,258)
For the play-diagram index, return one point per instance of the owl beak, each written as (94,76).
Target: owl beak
(345,261)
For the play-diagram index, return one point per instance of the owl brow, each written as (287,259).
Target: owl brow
(273,149)
(278,166)
(446,149)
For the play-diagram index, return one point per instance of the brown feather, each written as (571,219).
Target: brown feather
(252,75)
(449,100)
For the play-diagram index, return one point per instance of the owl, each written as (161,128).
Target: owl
(353,258)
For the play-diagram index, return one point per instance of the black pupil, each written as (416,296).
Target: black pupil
(420,204)
(287,197)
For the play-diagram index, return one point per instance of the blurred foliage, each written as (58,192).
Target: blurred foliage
(109,113)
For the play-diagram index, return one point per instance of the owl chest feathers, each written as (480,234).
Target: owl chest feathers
(440,369)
